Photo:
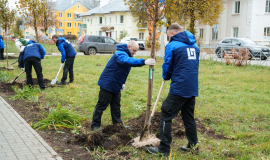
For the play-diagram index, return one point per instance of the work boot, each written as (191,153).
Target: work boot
(156,151)
(190,147)
(61,83)
(70,81)
(96,129)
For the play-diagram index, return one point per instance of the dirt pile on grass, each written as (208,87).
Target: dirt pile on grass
(111,137)
(178,128)
(7,87)
(116,135)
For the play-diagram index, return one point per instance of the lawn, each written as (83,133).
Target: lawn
(232,100)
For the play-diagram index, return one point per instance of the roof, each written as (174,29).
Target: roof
(112,6)
(62,5)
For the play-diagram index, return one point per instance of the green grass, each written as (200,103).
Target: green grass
(4,75)
(50,48)
(27,93)
(235,100)
(59,117)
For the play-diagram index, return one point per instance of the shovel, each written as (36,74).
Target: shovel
(145,133)
(55,80)
(17,77)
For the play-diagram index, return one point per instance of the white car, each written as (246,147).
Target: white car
(127,39)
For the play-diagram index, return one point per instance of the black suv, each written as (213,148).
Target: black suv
(236,43)
(96,44)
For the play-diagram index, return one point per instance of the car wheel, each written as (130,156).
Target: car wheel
(263,58)
(142,48)
(218,53)
(92,51)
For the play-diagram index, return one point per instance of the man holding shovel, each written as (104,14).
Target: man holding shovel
(112,81)
(31,56)
(181,64)
(68,55)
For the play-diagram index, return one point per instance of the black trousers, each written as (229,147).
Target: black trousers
(2,54)
(33,61)
(104,99)
(170,109)
(68,68)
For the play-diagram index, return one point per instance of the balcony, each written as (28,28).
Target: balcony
(84,26)
(142,26)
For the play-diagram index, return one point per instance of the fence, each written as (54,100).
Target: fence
(218,55)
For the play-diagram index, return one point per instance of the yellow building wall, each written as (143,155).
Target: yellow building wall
(65,19)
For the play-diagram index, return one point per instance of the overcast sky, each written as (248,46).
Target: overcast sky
(12,3)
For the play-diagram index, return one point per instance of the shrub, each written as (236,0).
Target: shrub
(59,117)
(239,58)
(27,93)
(4,76)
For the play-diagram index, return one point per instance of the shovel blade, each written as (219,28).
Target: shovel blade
(54,81)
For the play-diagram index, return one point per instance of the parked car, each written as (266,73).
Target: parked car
(45,38)
(90,44)
(256,50)
(31,37)
(127,39)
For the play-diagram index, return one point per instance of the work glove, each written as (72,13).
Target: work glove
(150,61)
(62,64)
(22,69)
(123,87)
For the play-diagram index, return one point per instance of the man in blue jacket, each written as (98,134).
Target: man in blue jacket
(31,56)
(2,47)
(112,81)
(68,56)
(181,64)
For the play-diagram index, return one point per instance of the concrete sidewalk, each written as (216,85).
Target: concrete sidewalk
(18,141)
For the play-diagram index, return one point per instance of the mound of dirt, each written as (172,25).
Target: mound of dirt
(35,81)
(178,127)
(7,87)
(11,57)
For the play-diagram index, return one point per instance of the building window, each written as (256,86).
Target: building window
(121,33)
(100,33)
(267,7)
(75,25)
(115,18)
(110,20)
(105,21)
(90,33)
(78,6)
(214,35)
(121,18)
(69,15)
(60,14)
(201,33)
(141,36)
(69,24)
(79,25)
(60,24)
(236,6)
(235,32)
(69,33)
(78,16)
(100,20)
(267,33)
(91,21)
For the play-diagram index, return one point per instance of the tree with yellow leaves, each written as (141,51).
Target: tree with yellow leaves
(7,18)
(190,11)
(32,11)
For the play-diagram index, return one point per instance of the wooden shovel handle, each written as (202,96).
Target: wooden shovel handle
(58,71)
(156,103)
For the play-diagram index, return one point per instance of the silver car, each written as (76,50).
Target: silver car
(96,44)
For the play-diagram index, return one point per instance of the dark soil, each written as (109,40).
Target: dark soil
(11,57)
(4,68)
(69,145)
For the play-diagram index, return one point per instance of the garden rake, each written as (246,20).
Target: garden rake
(17,77)
(145,133)
(55,80)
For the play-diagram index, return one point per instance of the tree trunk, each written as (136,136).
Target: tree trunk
(192,23)
(151,68)
(36,30)
(6,46)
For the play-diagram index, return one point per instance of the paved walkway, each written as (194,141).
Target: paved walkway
(18,141)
